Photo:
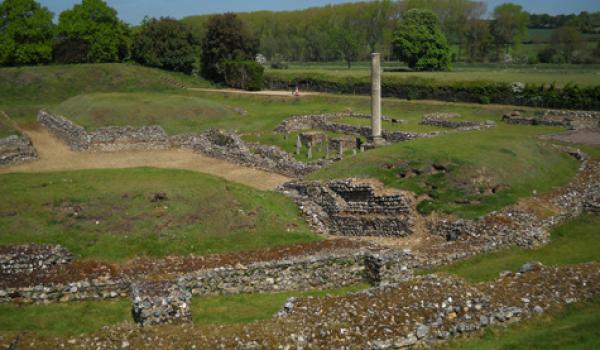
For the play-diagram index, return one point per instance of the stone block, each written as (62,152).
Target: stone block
(160,302)
(312,138)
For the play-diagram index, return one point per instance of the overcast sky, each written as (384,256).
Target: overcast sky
(133,11)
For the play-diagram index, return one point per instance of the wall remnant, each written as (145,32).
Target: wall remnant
(160,302)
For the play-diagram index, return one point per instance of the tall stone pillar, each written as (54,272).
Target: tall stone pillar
(376,99)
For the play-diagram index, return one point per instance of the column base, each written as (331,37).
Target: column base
(374,142)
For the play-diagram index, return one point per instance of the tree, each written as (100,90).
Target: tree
(227,38)
(166,43)
(569,43)
(376,18)
(419,41)
(91,32)
(509,25)
(26,33)
(478,40)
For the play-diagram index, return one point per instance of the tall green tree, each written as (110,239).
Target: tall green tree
(91,32)
(569,44)
(478,41)
(420,43)
(166,43)
(509,25)
(227,38)
(25,33)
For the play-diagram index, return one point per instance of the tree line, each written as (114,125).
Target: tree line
(91,32)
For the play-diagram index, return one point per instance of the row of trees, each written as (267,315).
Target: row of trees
(584,22)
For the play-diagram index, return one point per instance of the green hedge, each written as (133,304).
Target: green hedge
(247,75)
(546,96)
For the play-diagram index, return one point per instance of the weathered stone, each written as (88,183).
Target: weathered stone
(160,302)
(16,149)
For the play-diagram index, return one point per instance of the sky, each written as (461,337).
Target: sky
(133,11)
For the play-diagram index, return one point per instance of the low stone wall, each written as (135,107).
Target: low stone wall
(29,258)
(326,270)
(352,208)
(16,149)
(104,139)
(444,120)
(322,122)
(569,119)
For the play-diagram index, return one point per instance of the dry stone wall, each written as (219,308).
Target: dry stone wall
(160,302)
(569,119)
(29,258)
(16,149)
(445,120)
(351,208)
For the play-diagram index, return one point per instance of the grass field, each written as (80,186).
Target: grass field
(85,317)
(7,126)
(573,242)
(583,75)
(507,155)
(110,214)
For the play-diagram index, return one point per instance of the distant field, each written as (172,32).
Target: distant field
(583,75)
(110,215)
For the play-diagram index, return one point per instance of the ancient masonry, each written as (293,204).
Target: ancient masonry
(569,119)
(353,208)
(29,258)
(16,149)
(323,122)
(215,143)
(447,120)
(160,302)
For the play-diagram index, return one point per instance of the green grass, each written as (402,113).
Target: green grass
(108,214)
(573,242)
(176,113)
(582,75)
(244,308)
(69,319)
(7,127)
(25,90)
(506,155)
(575,327)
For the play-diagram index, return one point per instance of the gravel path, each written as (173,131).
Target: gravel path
(56,156)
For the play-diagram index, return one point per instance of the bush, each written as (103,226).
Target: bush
(247,75)
(278,62)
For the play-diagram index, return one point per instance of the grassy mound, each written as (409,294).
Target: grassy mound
(175,113)
(26,89)
(114,215)
(469,173)
(573,242)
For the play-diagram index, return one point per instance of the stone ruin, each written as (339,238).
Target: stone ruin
(16,149)
(574,120)
(160,302)
(30,258)
(446,120)
(353,208)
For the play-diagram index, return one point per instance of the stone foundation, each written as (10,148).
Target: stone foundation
(444,120)
(353,208)
(160,302)
(29,258)
(16,149)
(570,119)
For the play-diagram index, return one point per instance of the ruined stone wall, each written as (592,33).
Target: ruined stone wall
(104,139)
(444,120)
(318,271)
(16,149)
(352,208)
(28,258)
(160,302)
(568,119)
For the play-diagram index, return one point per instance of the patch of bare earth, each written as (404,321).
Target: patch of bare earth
(56,156)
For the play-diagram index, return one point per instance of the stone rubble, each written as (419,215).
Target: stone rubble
(444,120)
(575,120)
(160,302)
(16,149)
(29,258)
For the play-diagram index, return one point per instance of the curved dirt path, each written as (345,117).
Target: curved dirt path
(56,156)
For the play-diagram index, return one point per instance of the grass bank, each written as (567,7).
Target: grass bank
(76,318)
(573,242)
(112,215)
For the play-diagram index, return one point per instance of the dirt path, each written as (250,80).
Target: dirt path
(262,92)
(56,156)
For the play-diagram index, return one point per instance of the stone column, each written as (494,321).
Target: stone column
(376,98)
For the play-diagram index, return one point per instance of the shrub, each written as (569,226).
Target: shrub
(278,62)
(243,74)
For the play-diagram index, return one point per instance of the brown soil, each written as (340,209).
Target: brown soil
(582,137)
(56,156)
